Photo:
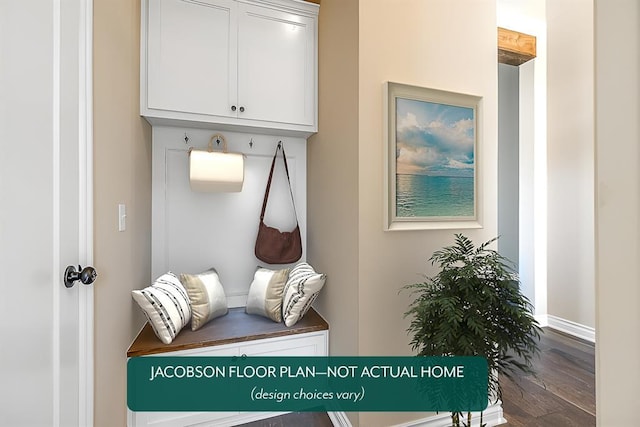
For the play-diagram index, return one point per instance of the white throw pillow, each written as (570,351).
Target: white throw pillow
(207,297)
(301,290)
(265,293)
(166,306)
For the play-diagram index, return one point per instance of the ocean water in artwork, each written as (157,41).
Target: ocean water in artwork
(434,196)
(435,160)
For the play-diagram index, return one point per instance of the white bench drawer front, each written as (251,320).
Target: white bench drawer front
(314,344)
(308,344)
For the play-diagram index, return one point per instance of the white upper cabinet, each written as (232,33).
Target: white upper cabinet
(245,65)
(191,57)
(276,65)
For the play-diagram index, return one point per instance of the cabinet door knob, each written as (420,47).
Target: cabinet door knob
(242,109)
(233,108)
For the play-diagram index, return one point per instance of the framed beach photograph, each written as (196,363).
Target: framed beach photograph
(432,138)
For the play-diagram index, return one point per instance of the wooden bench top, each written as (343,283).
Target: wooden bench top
(235,327)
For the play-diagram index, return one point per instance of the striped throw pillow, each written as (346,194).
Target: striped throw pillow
(166,306)
(301,290)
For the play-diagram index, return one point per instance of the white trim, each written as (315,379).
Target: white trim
(339,419)
(572,328)
(492,416)
(237,300)
(542,319)
(300,7)
(391,221)
(55,192)
(85,215)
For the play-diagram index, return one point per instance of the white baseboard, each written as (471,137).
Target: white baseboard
(492,416)
(542,319)
(339,419)
(572,328)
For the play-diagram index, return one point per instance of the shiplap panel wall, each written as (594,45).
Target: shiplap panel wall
(194,231)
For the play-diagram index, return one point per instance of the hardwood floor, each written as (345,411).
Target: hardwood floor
(563,392)
(295,419)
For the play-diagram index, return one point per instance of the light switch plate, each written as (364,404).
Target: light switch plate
(122,217)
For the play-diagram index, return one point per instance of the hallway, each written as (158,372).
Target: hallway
(563,394)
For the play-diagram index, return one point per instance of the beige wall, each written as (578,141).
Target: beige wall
(439,44)
(570,157)
(618,211)
(448,45)
(122,162)
(332,174)
(442,44)
(421,44)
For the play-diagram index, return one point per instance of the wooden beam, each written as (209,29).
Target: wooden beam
(515,48)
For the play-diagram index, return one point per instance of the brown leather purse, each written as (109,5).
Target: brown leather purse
(272,245)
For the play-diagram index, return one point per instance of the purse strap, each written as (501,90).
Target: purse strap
(266,192)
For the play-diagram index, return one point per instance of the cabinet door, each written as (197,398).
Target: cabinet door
(276,65)
(181,419)
(309,344)
(191,56)
(313,344)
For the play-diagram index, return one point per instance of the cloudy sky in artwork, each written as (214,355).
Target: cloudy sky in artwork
(434,139)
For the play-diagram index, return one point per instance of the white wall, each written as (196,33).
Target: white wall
(617,47)
(529,16)
(195,231)
(571,274)
(556,143)
(508,165)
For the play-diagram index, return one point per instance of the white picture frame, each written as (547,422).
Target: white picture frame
(432,141)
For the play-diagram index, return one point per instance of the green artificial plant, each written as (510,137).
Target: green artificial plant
(473,307)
